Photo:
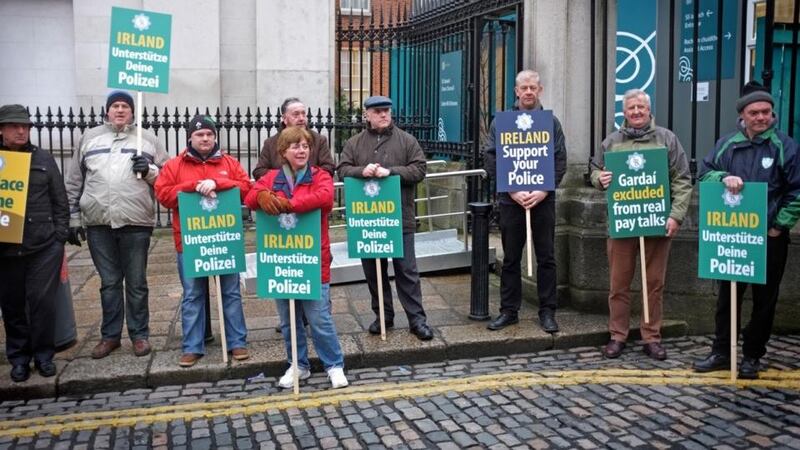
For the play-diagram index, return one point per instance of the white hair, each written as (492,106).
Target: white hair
(634,93)
(525,75)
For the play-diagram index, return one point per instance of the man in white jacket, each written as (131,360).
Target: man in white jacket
(117,208)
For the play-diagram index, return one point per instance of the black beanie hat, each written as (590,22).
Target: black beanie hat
(119,96)
(200,122)
(753,92)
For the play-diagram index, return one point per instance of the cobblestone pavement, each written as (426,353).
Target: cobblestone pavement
(553,399)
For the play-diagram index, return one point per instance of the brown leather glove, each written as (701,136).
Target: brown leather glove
(284,205)
(268,202)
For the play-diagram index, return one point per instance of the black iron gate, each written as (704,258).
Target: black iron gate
(399,52)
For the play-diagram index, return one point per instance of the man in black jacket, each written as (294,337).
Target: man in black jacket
(31,269)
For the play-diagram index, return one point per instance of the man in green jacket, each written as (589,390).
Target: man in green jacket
(639,131)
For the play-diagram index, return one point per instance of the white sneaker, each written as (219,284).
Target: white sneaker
(287,380)
(336,375)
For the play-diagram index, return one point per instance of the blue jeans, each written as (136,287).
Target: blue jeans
(323,330)
(193,311)
(121,255)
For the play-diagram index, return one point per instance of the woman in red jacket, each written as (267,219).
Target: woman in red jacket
(298,187)
(206,169)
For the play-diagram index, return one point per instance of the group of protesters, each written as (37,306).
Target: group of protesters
(107,198)
(756,151)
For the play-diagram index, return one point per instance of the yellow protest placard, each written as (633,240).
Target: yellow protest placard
(14,172)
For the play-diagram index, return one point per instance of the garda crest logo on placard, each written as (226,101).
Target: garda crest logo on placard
(372,188)
(141,22)
(287,221)
(209,203)
(636,161)
(524,121)
(731,200)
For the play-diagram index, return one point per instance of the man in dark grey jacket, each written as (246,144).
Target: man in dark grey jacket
(379,151)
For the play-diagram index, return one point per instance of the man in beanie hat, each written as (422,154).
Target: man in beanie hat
(293,114)
(202,167)
(756,152)
(117,209)
(31,269)
(379,151)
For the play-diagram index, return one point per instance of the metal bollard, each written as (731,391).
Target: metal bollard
(479,295)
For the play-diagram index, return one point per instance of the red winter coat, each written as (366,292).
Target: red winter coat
(181,174)
(310,193)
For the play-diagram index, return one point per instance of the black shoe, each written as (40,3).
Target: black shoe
(548,322)
(422,331)
(749,368)
(20,373)
(210,338)
(375,327)
(46,369)
(714,361)
(502,321)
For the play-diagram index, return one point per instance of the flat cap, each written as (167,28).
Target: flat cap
(378,101)
(14,114)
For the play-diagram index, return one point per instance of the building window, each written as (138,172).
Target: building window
(354,75)
(354,7)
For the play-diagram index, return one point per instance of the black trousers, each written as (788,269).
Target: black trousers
(765,298)
(27,297)
(406,280)
(513,236)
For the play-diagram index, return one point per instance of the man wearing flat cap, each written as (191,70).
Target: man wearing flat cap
(112,207)
(379,151)
(756,152)
(293,114)
(31,268)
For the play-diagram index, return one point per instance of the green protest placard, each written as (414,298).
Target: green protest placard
(733,230)
(14,173)
(211,233)
(288,251)
(638,196)
(374,217)
(138,51)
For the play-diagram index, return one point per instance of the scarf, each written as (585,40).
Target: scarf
(287,180)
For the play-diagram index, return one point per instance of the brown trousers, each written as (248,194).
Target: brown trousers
(623,257)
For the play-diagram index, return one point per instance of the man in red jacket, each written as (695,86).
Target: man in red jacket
(202,167)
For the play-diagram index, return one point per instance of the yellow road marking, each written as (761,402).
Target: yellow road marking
(55,425)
